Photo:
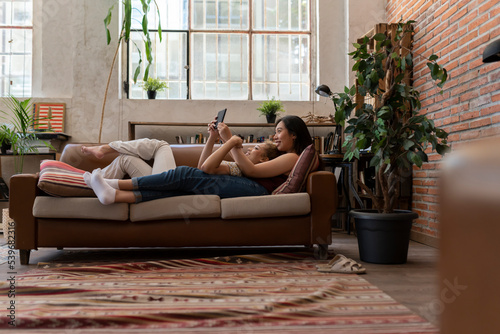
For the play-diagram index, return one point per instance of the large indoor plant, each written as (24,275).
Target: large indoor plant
(124,36)
(388,122)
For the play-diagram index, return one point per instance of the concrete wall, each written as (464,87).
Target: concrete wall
(72,62)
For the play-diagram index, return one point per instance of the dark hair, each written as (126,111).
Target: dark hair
(271,150)
(297,127)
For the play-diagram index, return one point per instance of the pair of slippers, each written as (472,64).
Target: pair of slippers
(341,265)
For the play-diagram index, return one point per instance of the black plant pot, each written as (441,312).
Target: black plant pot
(151,94)
(5,147)
(383,238)
(271,118)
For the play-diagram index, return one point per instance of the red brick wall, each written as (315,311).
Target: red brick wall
(457,31)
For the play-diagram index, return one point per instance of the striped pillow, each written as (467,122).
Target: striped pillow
(60,179)
(296,181)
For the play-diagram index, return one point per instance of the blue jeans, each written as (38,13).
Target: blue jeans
(185,180)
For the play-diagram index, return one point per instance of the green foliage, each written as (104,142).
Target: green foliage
(397,135)
(126,28)
(20,133)
(153,84)
(271,107)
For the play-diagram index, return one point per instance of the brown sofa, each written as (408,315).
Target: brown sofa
(42,220)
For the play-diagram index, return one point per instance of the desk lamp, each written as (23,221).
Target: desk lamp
(492,52)
(324,90)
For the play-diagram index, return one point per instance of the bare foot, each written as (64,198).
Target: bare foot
(96,151)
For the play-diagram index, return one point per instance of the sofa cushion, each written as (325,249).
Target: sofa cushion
(296,181)
(80,208)
(60,179)
(266,206)
(179,207)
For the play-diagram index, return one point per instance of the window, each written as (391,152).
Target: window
(16,30)
(229,49)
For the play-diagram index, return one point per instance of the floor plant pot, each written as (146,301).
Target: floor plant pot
(383,238)
(271,118)
(151,94)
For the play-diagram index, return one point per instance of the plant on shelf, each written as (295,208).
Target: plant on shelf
(153,85)
(124,36)
(20,134)
(6,134)
(386,119)
(270,109)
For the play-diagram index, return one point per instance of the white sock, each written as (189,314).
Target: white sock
(102,189)
(87,177)
(113,183)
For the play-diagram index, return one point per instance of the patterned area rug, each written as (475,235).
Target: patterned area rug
(280,293)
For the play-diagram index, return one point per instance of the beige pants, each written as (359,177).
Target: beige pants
(133,157)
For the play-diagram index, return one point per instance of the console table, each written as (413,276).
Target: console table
(132,125)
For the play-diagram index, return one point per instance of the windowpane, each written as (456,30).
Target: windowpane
(170,60)
(220,14)
(173,14)
(16,47)
(281,15)
(280,67)
(220,66)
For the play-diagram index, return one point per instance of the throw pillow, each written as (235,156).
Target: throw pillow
(296,181)
(60,179)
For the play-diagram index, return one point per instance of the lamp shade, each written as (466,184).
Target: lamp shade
(492,52)
(323,90)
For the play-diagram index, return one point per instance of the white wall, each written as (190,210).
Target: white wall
(72,60)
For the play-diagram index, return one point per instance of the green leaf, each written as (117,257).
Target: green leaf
(433,57)
(379,37)
(408,144)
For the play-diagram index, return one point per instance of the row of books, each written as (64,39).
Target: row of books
(201,139)
(329,144)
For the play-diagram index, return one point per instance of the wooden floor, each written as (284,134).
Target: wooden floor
(414,284)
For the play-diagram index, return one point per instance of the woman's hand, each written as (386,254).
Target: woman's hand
(236,141)
(224,132)
(212,131)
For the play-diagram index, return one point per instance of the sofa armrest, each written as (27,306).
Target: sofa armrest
(23,191)
(322,188)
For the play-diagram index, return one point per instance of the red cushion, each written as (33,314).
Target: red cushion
(296,181)
(60,179)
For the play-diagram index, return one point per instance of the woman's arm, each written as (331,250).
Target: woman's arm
(212,163)
(213,136)
(280,165)
(277,166)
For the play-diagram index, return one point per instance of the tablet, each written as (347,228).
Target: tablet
(220,117)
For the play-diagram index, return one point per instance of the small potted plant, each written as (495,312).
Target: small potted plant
(152,85)
(389,124)
(6,135)
(270,109)
(21,135)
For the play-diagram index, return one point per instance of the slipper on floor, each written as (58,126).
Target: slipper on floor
(341,265)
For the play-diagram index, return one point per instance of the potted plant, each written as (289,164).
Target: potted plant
(392,128)
(153,85)
(6,134)
(270,109)
(20,134)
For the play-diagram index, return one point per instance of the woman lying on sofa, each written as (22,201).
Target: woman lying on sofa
(135,153)
(291,138)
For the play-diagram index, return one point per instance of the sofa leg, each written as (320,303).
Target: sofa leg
(24,255)
(322,251)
